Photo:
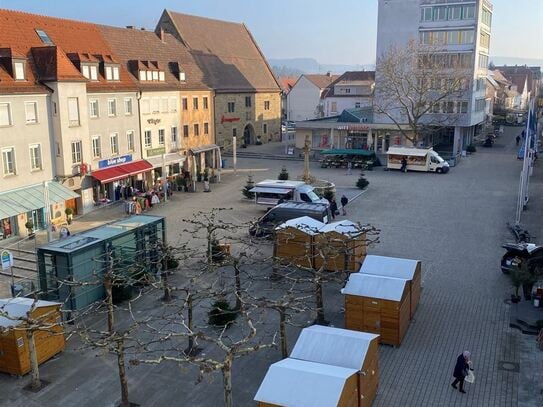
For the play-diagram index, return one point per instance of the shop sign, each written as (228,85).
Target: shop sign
(115,161)
(229,119)
(153,121)
(155,151)
(354,127)
(7,260)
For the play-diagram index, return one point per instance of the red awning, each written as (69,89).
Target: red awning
(121,171)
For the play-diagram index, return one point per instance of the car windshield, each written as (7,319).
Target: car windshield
(314,197)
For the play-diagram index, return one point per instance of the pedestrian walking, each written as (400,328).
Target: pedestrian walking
(518,139)
(344,202)
(404,165)
(333,207)
(349,168)
(461,370)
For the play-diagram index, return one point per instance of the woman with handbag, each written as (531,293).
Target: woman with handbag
(461,370)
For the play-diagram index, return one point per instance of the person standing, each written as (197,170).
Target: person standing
(333,207)
(404,165)
(349,168)
(518,139)
(461,370)
(344,202)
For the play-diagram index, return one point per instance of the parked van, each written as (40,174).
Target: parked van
(418,159)
(286,211)
(269,192)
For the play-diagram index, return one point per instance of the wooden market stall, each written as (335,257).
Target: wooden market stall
(340,246)
(14,349)
(407,269)
(379,305)
(343,348)
(292,382)
(294,241)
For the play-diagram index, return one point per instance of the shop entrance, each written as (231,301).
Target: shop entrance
(37,217)
(248,134)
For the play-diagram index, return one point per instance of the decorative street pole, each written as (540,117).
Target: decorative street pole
(307,147)
(234,154)
(47,207)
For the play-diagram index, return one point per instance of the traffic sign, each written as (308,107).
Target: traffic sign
(7,260)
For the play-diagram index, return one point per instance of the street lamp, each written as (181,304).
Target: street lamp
(47,207)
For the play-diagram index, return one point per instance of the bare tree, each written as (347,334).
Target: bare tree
(419,87)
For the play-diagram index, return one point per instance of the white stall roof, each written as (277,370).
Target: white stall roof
(369,285)
(17,308)
(333,346)
(299,383)
(344,227)
(389,267)
(305,224)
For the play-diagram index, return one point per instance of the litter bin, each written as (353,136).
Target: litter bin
(223,163)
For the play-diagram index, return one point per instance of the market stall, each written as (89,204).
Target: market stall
(340,158)
(294,241)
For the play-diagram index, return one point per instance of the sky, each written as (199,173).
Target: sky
(332,32)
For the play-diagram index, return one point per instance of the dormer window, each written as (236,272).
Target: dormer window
(149,75)
(182,76)
(112,72)
(161,76)
(142,76)
(90,71)
(155,75)
(19,70)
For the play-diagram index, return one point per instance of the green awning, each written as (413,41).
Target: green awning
(349,151)
(22,200)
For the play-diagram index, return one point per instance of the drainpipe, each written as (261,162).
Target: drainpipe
(138,98)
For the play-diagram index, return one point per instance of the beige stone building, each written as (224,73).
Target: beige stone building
(247,96)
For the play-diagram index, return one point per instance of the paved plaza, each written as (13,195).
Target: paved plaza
(454,223)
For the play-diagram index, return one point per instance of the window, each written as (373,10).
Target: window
(204,102)
(161,138)
(196,129)
(54,108)
(57,149)
(357,105)
(174,134)
(115,73)
(155,105)
(5,114)
(195,103)
(234,132)
(8,161)
(449,107)
(76,152)
(112,107)
(468,12)
(462,107)
(155,75)
(440,13)
(185,130)
(142,76)
(93,73)
(265,128)
(109,73)
(480,105)
(114,141)
(334,107)
(247,101)
(231,107)
(185,103)
(145,106)
(173,104)
(147,138)
(85,71)
(35,157)
(96,147)
(484,40)
(128,111)
(486,17)
(483,61)
(426,14)
(161,76)
(164,105)
(451,37)
(73,111)
(94,109)
(267,105)
(44,37)
(182,76)
(19,69)
(130,140)
(206,128)
(149,75)
(455,13)
(31,112)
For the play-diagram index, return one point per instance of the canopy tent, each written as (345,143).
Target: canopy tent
(121,171)
(347,151)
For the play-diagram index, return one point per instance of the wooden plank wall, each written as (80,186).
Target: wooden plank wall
(293,246)
(369,382)
(349,396)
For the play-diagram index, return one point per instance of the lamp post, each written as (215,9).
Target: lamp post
(307,148)
(47,207)
(234,154)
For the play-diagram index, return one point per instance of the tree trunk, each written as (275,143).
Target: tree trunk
(227,381)
(189,323)
(35,381)
(109,301)
(167,292)
(122,373)
(238,287)
(319,302)
(283,332)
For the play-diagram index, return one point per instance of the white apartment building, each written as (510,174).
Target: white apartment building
(305,99)
(458,27)
(352,90)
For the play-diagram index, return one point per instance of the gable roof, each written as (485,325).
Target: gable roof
(374,286)
(389,267)
(225,51)
(287,83)
(321,81)
(69,37)
(305,224)
(135,48)
(17,308)
(293,382)
(352,78)
(333,346)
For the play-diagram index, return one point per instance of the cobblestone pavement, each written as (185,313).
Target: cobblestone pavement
(454,223)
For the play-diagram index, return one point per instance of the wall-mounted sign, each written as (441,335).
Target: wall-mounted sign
(153,121)
(354,127)
(115,161)
(229,119)
(155,151)
(7,260)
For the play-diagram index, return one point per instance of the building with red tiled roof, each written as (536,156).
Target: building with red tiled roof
(304,100)
(247,99)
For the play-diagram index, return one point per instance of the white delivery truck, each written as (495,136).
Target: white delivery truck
(418,159)
(269,192)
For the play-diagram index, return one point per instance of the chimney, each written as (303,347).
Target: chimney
(130,27)
(161,34)
(142,28)
(329,74)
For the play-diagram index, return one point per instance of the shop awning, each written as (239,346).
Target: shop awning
(22,200)
(264,190)
(172,158)
(201,149)
(121,171)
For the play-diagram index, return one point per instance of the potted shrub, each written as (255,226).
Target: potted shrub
(69,214)
(29,225)
(283,175)
(248,186)
(362,181)
(471,149)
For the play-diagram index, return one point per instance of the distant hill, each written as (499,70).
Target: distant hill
(510,61)
(310,65)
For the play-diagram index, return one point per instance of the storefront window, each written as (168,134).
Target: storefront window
(8,226)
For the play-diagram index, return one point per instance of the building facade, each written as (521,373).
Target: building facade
(247,102)
(455,29)
(352,90)
(305,99)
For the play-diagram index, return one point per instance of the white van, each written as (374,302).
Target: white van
(418,159)
(269,192)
